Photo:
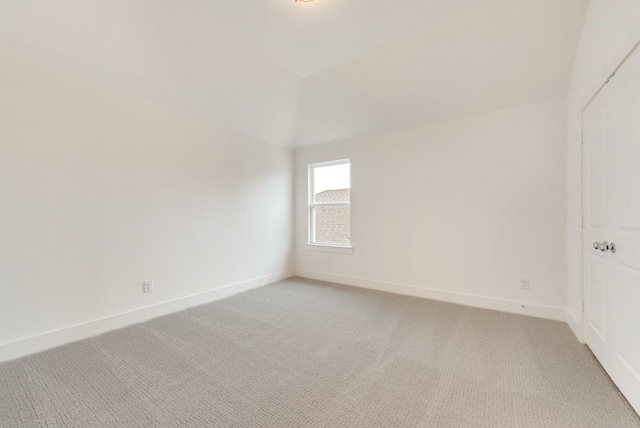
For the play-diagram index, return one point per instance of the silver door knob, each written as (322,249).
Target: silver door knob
(604,246)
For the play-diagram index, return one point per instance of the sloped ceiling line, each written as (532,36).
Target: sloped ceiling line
(294,74)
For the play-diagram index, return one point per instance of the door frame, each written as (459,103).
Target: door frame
(631,45)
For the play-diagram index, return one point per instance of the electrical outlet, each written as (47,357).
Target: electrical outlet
(524,284)
(327,260)
(147,286)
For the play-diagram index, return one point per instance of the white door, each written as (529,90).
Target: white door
(611,238)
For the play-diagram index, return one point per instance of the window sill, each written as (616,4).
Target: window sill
(329,248)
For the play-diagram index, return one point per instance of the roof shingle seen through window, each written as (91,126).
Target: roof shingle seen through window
(333,223)
(333,196)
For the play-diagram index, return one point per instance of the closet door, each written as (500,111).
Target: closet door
(611,126)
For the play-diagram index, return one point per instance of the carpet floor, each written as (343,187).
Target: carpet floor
(301,353)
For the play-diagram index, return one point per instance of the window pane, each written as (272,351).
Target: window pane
(332,225)
(332,183)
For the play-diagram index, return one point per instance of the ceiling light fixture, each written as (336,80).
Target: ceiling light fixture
(304,1)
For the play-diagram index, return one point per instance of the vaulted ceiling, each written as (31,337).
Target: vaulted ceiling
(293,73)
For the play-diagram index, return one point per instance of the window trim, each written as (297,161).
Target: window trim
(311,205)
(327,248)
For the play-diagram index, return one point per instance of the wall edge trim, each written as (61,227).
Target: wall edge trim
(52,339)
(575,325)
(484,302)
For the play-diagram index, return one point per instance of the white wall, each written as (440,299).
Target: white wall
(611,29)
(101,190)
(458,210)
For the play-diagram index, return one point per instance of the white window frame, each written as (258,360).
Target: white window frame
(319,246)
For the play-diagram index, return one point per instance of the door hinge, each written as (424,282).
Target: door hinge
(583,306)
(610,77)
(582,222)
(582,137)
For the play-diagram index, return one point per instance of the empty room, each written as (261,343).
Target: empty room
(320,213)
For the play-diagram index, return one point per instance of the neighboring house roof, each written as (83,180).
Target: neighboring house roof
(337,195)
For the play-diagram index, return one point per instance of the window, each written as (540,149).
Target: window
(330,203)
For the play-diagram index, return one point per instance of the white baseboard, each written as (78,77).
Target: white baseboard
(52,339)
(576,325)
(503,305)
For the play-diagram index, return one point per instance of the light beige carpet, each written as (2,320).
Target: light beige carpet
(301,353)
